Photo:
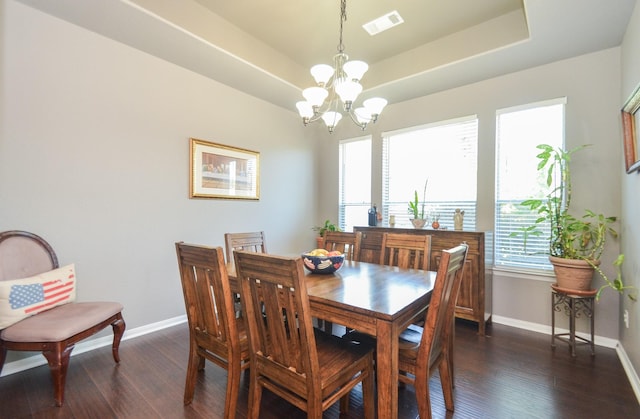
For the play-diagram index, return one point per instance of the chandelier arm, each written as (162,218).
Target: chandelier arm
(354,118)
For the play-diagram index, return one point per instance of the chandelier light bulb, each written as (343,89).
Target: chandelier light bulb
(322,73)
(331,119)
(304,109)
(348,91)
(315,95)
(355,69)
(375,105)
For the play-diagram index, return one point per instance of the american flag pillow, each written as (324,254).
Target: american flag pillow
(21,298)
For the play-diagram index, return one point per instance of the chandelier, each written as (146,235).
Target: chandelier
(337,88)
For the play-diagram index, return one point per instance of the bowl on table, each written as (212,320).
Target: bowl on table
(322,264)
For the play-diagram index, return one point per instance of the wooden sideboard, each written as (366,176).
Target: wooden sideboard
(474,300)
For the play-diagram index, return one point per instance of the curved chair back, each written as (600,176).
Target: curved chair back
(24,254)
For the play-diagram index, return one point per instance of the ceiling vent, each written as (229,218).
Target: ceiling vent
(383,23)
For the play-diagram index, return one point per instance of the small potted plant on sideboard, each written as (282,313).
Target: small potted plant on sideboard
(416,208)
(327,226)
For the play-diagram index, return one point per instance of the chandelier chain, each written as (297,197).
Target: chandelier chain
(343,18)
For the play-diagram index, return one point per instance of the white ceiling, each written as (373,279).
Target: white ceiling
(266,47)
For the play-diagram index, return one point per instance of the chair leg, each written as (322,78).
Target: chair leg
(423,398)
(233,388)
(446,380)
(452,338)
(192,372)
(368,394)
(314,406)
(118,331)
(58,358)
(3,355)
(255,396)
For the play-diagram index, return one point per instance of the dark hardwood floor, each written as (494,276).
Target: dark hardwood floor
(510,373)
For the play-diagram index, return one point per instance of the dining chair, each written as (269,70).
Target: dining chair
(423,350)
(215,334)
(406,250)
(289,357)
(347,243)
(38,311)
(252,241)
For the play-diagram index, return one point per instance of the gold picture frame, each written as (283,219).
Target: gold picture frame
(222,171)
(629,119)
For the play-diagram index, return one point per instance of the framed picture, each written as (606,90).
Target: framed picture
(222,171)
(629,121)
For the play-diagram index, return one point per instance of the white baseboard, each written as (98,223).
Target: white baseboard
(628,368)
(91,344)
(541,328)
(599,340)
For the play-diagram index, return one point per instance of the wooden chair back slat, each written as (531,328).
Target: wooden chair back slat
(251,242)
(345,242)
(406,250)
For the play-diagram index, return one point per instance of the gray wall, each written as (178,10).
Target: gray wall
(630,338)
(94,156)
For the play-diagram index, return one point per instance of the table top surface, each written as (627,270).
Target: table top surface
(368,288)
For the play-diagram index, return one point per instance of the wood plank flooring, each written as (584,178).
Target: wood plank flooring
(510,373)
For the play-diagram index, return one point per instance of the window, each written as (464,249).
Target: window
(355,182)
(445,153)
(518,132)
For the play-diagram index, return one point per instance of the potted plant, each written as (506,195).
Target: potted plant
(416,209)
(575,244)
(616,284)
(328,226)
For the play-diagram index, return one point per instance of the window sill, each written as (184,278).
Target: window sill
(527,274)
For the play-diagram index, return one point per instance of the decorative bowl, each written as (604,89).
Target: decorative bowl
(322,264)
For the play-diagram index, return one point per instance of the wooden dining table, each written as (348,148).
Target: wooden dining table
(376,299)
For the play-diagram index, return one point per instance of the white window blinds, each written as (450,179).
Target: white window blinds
(445,153)
(518,131)
(355,182)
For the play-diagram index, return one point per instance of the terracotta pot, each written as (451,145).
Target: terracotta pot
(418,222)
(319,242)
(575,274)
